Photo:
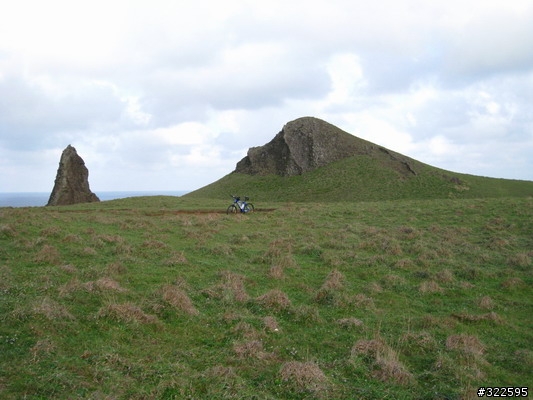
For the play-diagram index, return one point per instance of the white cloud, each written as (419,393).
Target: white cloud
(163,94)
(187,133)
(346,76)
(440,145)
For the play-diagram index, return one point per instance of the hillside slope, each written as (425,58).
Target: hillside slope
(312,160)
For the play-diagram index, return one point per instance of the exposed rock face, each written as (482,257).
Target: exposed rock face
(72,181)
(308,143)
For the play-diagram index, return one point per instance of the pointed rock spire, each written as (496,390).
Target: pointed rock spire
(72,181)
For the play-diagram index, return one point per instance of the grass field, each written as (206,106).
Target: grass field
(144,298)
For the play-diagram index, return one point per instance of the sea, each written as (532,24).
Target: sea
(39,199)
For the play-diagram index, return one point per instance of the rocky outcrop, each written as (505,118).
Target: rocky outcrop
(308,143)
(72,181)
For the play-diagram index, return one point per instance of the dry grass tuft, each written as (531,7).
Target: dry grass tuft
(486,303)
(348,323)
(7,231)
(492,317)
(405,264)
(100,285)
(409,232)
(52,310)
(276,272)
(69,269)
(471,361)
(324,296)
(497,243)
(177,258)
(51,231)
(430,322)
(525,357)
(466,344)
(105,283)
(154,244)
(304,376)
(230,288)
(359,300)
(116,268)
(250,349)
(334,280)
(109,239)
(278,248)
(430,287)
(497,224)
(391,247)
(369,347)
(388,368)
(72,238)
(521,260)
(307,315)
(126,312)
(178,299)
(287,261)
(221,249)
(221,371)
(392,281)
(47,255)
(384,361)
(418,341)
(466,285)
(123,249)
(513,283)
(43,347)
(280,253)
(372,231)
(5,277)
(246,331)
(445,276)
(271,324)
(375,287)
(274,299)
(89,251)
(70,287)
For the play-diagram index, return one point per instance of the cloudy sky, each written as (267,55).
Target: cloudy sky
(169,95)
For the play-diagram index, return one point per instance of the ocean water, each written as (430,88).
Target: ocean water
(39,199)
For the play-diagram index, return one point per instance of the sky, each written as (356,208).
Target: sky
(169,95)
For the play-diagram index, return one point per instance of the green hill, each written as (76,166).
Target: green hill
(363,179)
(370,173)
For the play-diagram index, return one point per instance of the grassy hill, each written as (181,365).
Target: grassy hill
(148,298)
(363,178)
(312,160)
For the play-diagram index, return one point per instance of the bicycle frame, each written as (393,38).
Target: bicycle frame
(242,205)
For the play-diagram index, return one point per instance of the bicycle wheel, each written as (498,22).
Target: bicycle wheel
(232,209)
(249,207)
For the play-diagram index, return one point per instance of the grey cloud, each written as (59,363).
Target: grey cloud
(262,84)
(261,65)
(31,116)
(496,44)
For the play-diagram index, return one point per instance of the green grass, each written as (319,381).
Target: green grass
(131,299)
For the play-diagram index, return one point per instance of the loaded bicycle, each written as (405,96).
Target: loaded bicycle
(240,206)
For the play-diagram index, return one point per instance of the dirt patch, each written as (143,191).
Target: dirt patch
(156,213)
(178,212)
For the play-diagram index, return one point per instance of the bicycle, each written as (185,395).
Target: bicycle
(239,205)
